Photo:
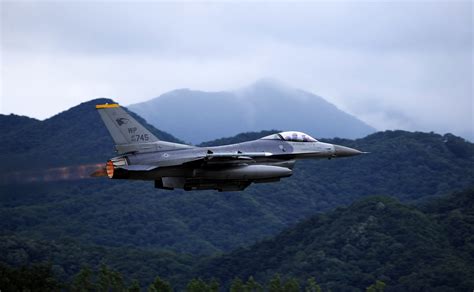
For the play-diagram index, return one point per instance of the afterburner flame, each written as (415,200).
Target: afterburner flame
(66,173)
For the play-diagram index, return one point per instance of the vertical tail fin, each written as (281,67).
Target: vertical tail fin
(122,127)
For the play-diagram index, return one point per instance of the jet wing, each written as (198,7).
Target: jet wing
(207,158)
(237,155)
(228,157)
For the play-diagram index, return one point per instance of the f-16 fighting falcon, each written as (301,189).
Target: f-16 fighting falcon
(224,168)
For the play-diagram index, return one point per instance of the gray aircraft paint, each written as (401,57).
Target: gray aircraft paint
(142,156)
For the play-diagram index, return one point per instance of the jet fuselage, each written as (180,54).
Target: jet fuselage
(224,168)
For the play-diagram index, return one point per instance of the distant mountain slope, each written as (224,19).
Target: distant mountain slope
(242,137)
(409,166)
(77,135)
(375,238)
(198,116)
(12,123)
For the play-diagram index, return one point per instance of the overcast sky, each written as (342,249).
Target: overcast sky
(405,65)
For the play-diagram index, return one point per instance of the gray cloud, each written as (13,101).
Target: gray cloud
(394,64)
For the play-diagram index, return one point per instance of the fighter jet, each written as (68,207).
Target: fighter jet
(142,156)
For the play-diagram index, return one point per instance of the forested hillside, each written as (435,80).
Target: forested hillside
(430,248)
(73,220)
(75,136)
(12,123)
(66,257)
(376,241)
(409,166)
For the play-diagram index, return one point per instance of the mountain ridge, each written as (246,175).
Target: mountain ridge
(76,135)
(263,105)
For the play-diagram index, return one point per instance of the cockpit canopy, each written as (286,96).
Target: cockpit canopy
(290,136)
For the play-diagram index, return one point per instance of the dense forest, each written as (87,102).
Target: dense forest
(75,136)
(40,277)
(407,247)
(122,213)
(409,166)
(375,242)
(52,212)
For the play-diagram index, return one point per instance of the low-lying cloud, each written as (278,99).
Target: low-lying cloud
(393,64)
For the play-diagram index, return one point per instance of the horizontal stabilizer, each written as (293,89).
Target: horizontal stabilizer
(138,167)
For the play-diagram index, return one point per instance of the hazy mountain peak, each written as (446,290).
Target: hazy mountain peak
(177,91)
(269,82)
(268,103)
(266,86)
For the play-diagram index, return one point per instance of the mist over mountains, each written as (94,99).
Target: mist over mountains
(198,116)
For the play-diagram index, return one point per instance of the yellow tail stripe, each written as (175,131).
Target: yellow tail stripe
(107,105)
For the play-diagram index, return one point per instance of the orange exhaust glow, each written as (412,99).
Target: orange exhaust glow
(110,169)
(75,172)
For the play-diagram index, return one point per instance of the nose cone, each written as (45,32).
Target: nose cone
(342,151)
